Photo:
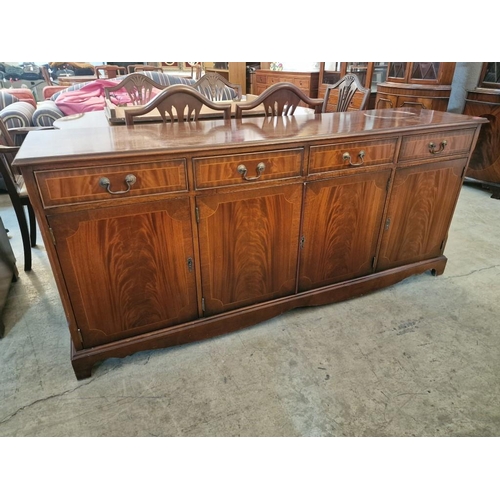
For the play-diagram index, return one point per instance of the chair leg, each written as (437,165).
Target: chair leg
(23,226)
(32,218)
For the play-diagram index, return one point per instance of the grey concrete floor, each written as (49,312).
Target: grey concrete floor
(420,358)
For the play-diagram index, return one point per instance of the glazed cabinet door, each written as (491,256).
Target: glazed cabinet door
(341,228)
(128,269)
(419,214)
(248,246)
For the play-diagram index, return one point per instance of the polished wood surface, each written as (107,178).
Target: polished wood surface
(347,94)
(282,98)
(229,223)
(307,81)
(484,166)
(424,85)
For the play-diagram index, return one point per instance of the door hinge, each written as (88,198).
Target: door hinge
(52,236)
(387,223)
(302,242)
(203,304)
(197,213)
(190,264)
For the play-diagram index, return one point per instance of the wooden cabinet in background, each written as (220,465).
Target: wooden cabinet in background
(368,73)
(230,224)
(425,85)
(484,101)
(306,81)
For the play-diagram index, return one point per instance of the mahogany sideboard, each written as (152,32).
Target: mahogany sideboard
(307,81)
(164,234)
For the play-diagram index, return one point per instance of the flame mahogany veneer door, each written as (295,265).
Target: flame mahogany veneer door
(128,269)
(249,246)
(421,206)
(342,221)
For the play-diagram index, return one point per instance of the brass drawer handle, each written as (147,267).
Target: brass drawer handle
(243,171)
(361,156)
(129,180)
(432,147)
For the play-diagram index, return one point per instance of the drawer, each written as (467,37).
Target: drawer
(229,170)
(274,79)
(82,185)
(351,154)
(302,83)
(261,79)
(436,144)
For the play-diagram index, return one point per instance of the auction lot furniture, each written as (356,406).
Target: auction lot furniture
(167,233)
(416,84)
(484,100)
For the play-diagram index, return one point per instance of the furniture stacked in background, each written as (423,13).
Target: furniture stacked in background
(369,74)
(484,100)
(424,85)
(8,270)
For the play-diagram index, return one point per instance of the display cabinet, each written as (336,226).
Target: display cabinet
(368,73)
(424,85)
(484,101)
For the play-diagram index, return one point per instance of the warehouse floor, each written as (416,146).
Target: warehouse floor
(420,358)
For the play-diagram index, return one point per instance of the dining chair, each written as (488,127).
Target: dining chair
(180,102)
(109,71)
(348,94)
(280,99)
(17,192)
(137,86)
(217,88)
(133,68)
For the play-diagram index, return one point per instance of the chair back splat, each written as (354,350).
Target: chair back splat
(14,183)
(178,102)
(216,88)
(346,95)
(280,99)
(137,86)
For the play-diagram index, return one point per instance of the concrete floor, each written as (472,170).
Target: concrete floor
(420,358)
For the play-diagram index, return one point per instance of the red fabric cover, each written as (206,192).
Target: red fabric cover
(23,95)
(91,97)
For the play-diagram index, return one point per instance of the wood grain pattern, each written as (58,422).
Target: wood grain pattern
(485,160)
(420,209)
(249,245)
(417,146)
(120,265)
(330,157)
(342,219)
(223,170)
(65,186)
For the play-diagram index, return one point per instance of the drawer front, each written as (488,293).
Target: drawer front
(303,83)
(261,79)
(437,144)
(82,185)
(351,154)
(216,171)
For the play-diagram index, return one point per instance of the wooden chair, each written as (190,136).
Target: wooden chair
(109,71)
(280,99)
(215,87)
(17,192)
(174,100)
(139,87)
(133,68)
(347,94)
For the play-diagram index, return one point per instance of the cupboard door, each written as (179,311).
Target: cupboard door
(128,269)
(342,220)
(248,246)
(420,209)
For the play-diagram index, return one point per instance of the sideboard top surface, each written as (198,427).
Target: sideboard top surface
(51,146)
